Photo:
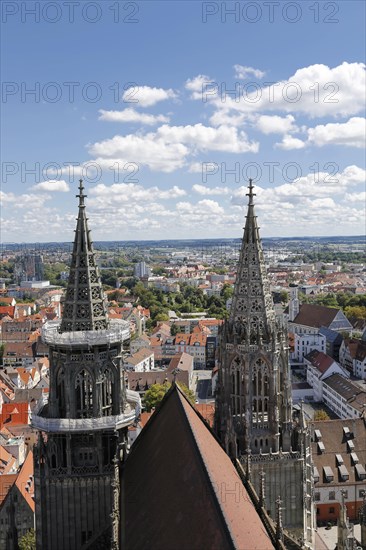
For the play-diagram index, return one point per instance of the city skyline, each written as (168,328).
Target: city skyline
(167,136)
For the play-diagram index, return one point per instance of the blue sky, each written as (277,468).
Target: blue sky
(167,108)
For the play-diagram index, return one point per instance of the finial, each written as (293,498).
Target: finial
(81,195)
(279,527)
(174,373)
(250,194)
(262,491)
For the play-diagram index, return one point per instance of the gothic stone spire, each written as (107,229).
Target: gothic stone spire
(252,313)
(254,390)
(84,307)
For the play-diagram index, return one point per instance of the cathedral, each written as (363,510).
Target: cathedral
(254,415)
(90,494)
(83,426)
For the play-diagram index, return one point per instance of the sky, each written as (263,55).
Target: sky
(167,108)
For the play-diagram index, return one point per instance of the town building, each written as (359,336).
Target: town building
(141,270)
(17,505)
(254,416)
(319,366)
(83,428)
(333,342)
(344,397)
(312,317)
(339,456)
(352,355)
(305,343)
(140,361)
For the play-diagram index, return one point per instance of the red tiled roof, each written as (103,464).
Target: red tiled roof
(14,414)
(25,481)
(320,360)
(182,361)
(6,300)
(313,315)
(207,411)
(7,310)
(176,499)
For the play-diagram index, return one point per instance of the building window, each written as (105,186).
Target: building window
(61,392)
(317,496)
(107,397)
(331,510)
(84,394)
(331,495)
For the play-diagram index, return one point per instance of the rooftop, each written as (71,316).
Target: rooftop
(335,443)
(195,496)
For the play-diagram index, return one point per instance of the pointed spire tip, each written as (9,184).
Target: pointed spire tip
(250,194)
(81,196)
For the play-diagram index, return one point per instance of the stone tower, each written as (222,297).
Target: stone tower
(83,427)
(254,417)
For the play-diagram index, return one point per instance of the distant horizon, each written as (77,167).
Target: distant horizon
(213,239)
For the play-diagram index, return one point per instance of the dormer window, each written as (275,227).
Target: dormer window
(328,474)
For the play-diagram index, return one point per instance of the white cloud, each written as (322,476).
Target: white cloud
(312,186)
(196,168)
(204,207)
(131,193)
(52,185)
(167,149)
(274,124)
(145,96)
(356,197)
(315,204)
(316,90)
(24,200)
(243,72)
(148,150)
(351,133)
(289,142)
(206,138)
(203,190)
(201,85)
(130,115)
(222,117)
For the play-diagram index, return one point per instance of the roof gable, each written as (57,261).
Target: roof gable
(176,499)
(312,315)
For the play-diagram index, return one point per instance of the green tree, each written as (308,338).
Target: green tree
(174,329)
(321,415)
(162,317)
(154,395)
(156,392)
(226,292)
(28,541)
(356,312)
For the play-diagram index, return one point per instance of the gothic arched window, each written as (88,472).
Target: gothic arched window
(84,394)
(260,388)
(61,395)
(107,393)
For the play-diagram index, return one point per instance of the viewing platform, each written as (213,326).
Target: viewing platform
(118,331)
(54,425)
